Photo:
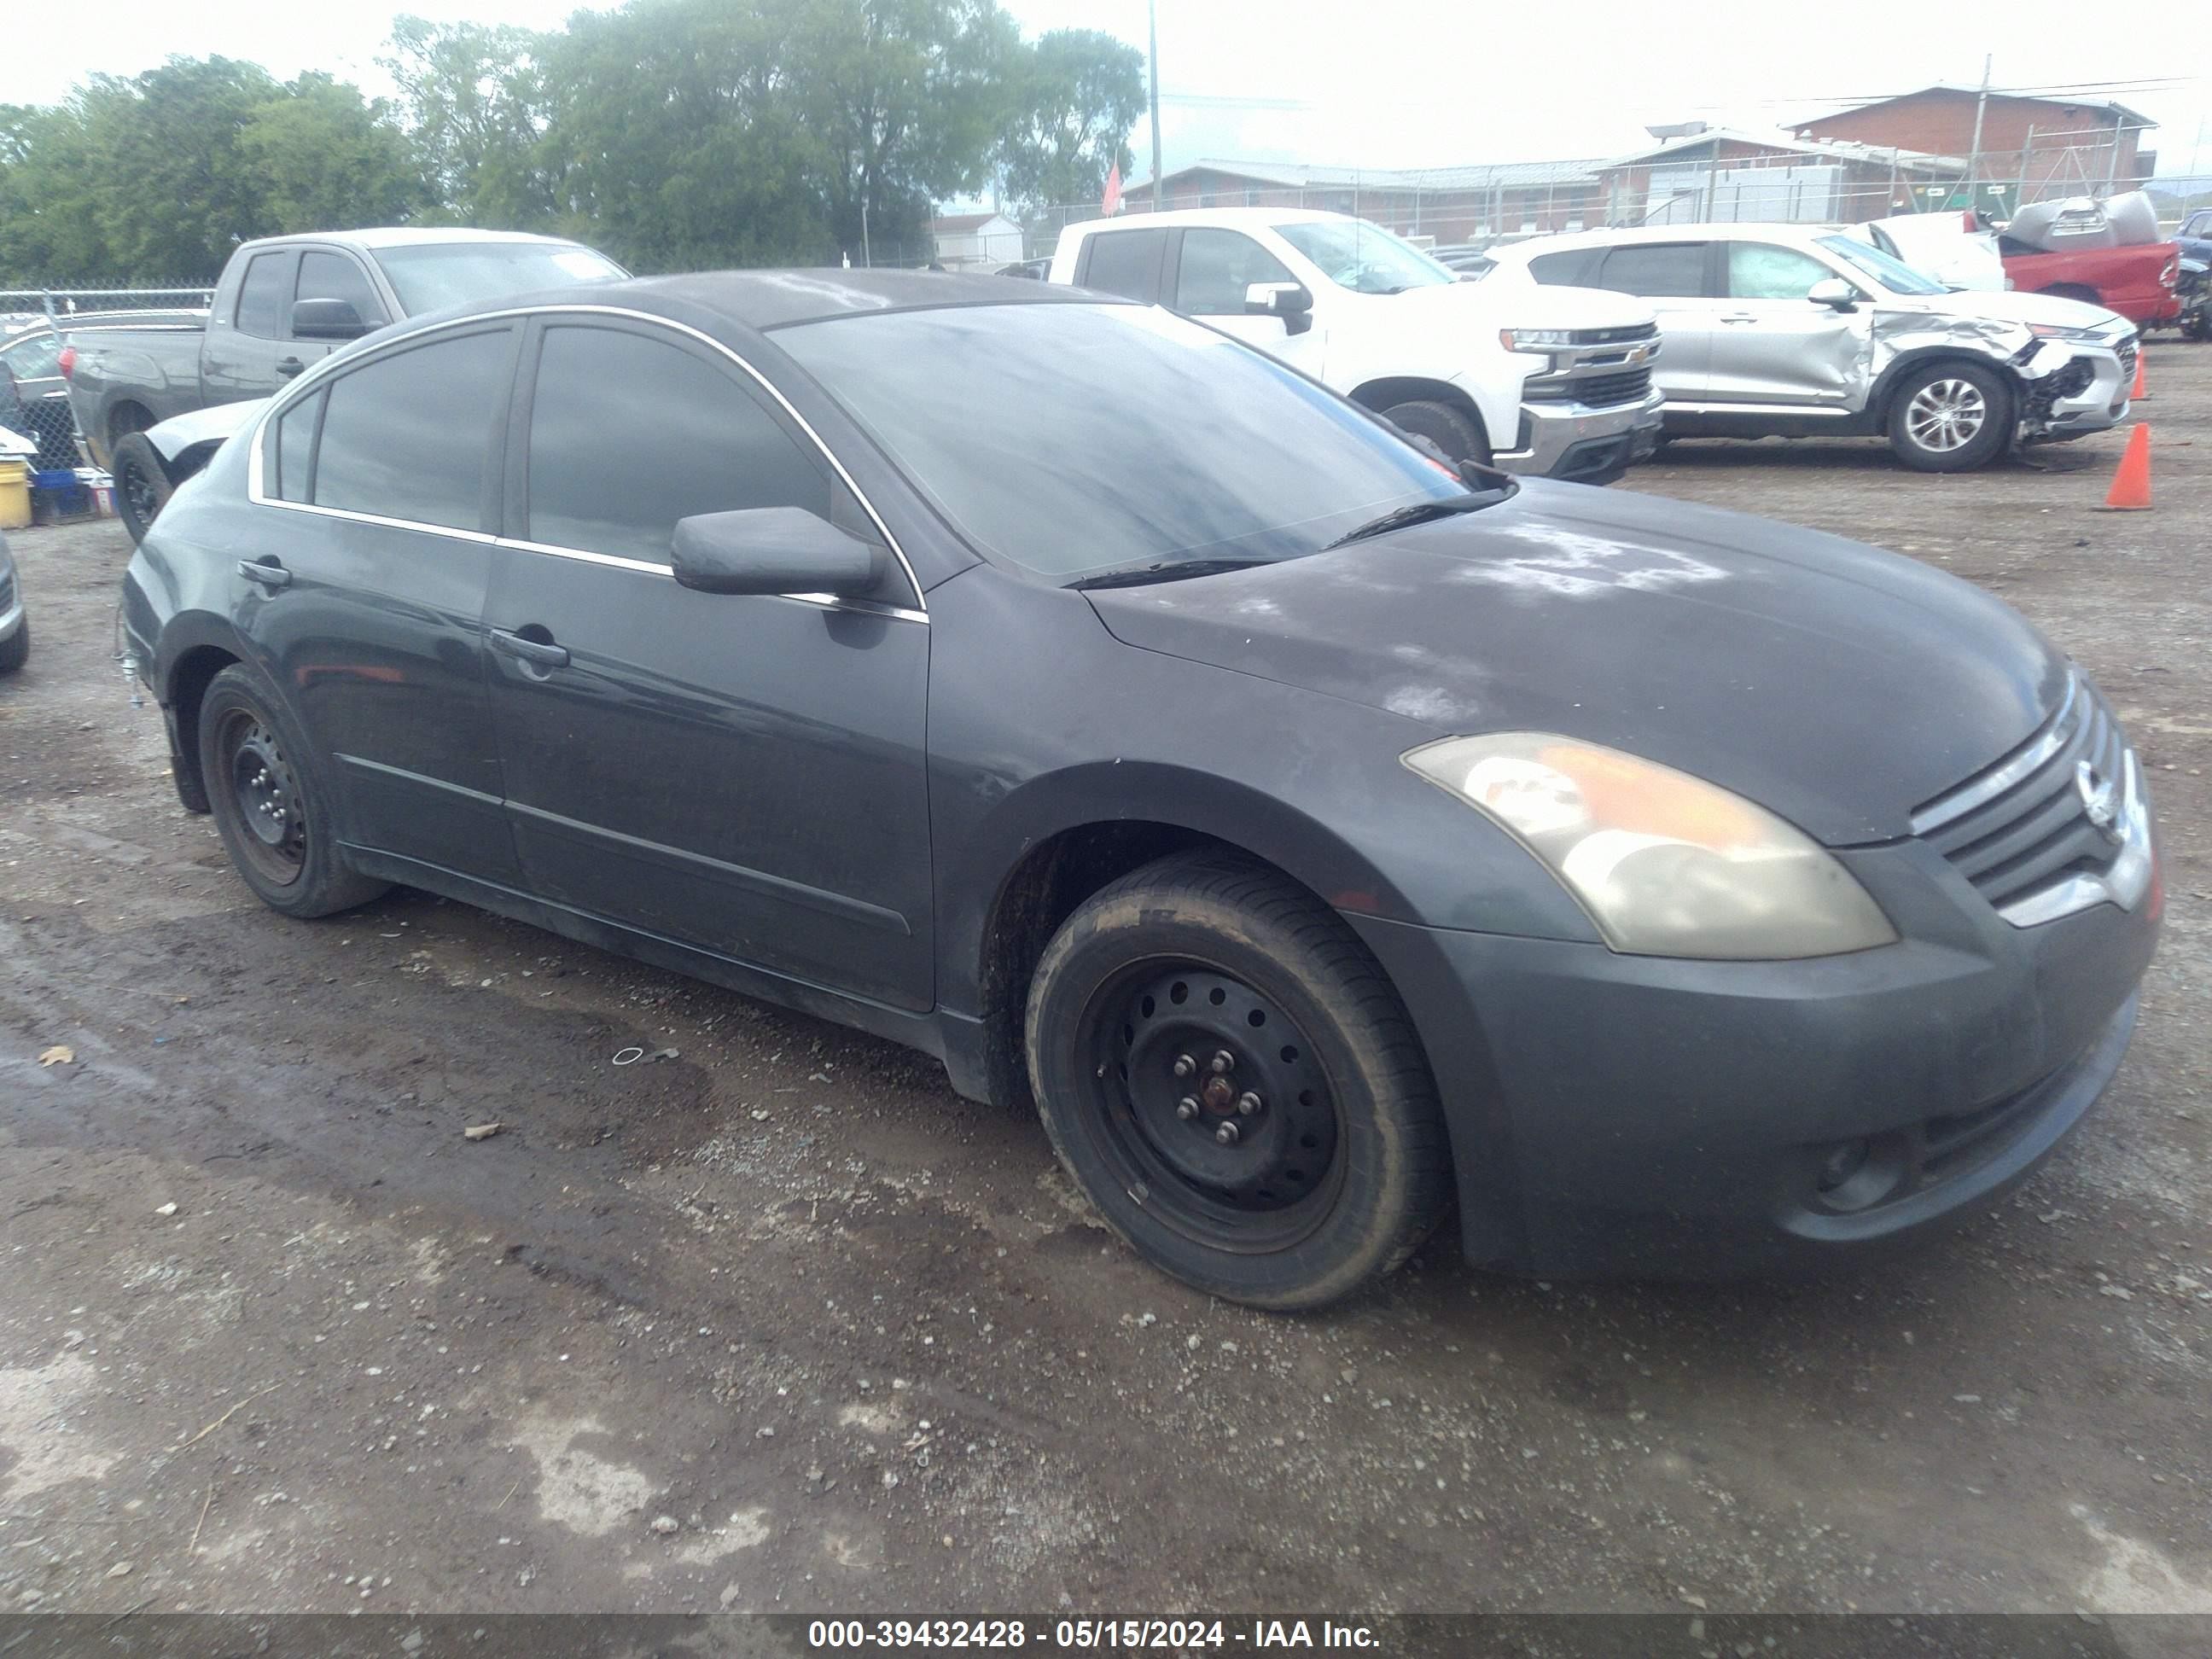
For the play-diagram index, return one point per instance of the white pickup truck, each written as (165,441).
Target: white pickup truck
(1551,382)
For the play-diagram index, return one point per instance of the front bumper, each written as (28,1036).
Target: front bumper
(1582,444)
(1617,1114)
(2085,391)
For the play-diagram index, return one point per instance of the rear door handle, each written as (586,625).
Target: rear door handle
(539,654)
(1740,317)
(287,367)
(270,574)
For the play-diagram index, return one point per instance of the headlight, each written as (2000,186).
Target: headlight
(2057,332)
(1535,339)
(1665,864)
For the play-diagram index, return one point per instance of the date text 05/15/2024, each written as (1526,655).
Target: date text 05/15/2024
(1089,1634)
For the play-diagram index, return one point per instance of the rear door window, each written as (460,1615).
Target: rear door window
(410,435)
(629,432)
(334,276)
(262,295)
(1125,261)
(1655,270)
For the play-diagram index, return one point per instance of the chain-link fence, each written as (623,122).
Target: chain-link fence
(1727,180)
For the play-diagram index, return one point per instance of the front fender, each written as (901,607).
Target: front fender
(213,425)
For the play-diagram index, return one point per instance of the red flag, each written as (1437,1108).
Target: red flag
(1112,203)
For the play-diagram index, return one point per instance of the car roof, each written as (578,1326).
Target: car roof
(1223,215)
(377,236)
(1726,231)
(762,300)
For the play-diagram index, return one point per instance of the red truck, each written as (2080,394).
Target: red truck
(2137,281)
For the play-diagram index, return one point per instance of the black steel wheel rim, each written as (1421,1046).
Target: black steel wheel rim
(138,492)
(1211,1105)
(265,792)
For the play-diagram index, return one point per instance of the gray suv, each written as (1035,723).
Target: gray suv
(1805,331)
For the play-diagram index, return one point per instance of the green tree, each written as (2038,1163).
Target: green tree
(474,99)
(907,98)
(50,223)
(1075,98)
(173,178)
(326,159)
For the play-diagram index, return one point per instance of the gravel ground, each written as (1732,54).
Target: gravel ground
(778,1322)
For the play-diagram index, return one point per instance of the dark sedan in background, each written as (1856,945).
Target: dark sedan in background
(1316,835)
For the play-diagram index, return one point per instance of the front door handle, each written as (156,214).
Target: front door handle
(287,367)
(270,574)
(1741,317)
(539,654)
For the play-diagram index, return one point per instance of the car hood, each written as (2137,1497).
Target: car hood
(1837,685)
(1521,304)
(2008,307)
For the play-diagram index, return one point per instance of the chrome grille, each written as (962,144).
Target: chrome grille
(1628,386)
(2025,825)
(7,592)
(2126,348)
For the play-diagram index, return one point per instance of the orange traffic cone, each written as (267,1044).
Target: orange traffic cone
(2130,491)
(2143,358)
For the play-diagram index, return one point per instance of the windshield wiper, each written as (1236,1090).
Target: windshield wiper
(1421,512)
(1162,570)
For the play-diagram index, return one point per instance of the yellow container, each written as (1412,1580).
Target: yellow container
(15,495)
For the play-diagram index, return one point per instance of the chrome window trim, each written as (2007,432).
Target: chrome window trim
(2049,741)
(256,495)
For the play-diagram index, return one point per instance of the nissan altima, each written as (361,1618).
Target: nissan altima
(1320,840)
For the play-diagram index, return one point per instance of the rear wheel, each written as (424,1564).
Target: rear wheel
(1950,417)
(1224,1068)
(142,484)
(270,806)
(1454,431)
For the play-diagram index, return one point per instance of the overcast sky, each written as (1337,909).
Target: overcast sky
(1384,82)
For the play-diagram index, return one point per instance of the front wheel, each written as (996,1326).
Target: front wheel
(1225,1070)
(1455,432)
(142,484)
(1950,417)
(270,807)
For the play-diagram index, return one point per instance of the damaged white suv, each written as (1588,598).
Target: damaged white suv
(1805,331)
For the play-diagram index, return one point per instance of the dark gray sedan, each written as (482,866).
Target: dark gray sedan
(1316,836)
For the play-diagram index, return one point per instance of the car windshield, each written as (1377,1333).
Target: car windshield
(1073,439)
(1893,273)
(431,275)
(1363,258)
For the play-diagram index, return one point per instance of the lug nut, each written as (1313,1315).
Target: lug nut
(1248,1103)
(1186,1108)
(1184,1066)
(1223,1061)
(1226,1134)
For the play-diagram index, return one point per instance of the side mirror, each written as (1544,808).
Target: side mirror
(1834,292)
(1289,300)
(772,549)
(326,319)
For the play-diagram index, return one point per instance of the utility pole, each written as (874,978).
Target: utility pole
(1153,18)
(1974,161)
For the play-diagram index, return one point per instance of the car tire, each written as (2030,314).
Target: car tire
(1950,417)
(269,803)
(15,650)
(142,487)
(1315,1162)
(1454,431)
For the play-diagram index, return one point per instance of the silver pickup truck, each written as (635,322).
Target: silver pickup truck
(281,304)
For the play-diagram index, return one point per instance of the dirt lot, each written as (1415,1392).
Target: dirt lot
(274,1335)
